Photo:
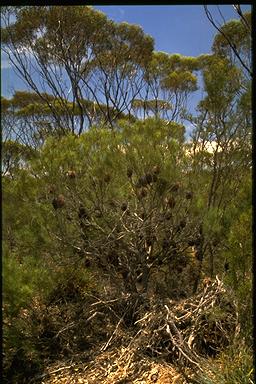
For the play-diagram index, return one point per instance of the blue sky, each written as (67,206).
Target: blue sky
(180,29)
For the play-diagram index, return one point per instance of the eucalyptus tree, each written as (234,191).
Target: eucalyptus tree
(7,119)
(220,150)
(119,67)
(27,118)
(169,80)
(221,147)
(234,39)
(75,54)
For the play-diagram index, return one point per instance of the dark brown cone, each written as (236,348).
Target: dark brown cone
(58,202)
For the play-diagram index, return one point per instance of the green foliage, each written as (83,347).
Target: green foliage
(151,105)
(184,81)
(22,281)
(22,99)
(5,103)
(212,225)
(236,33)
(25,226)
(222,81)
(239,256)
(99,160)
(233,366)
(15,155)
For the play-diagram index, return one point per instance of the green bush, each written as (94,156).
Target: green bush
(22,281)
(233,366)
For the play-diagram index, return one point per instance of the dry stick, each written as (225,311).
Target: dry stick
(93,315)
(202,303)
(181,350)
(103,302)
(52,372)
(60,369)
(180,342)
(143,318)
(113,334)
(65,328)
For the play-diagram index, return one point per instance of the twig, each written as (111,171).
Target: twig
(60,369)
(113,334)
(65,328)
